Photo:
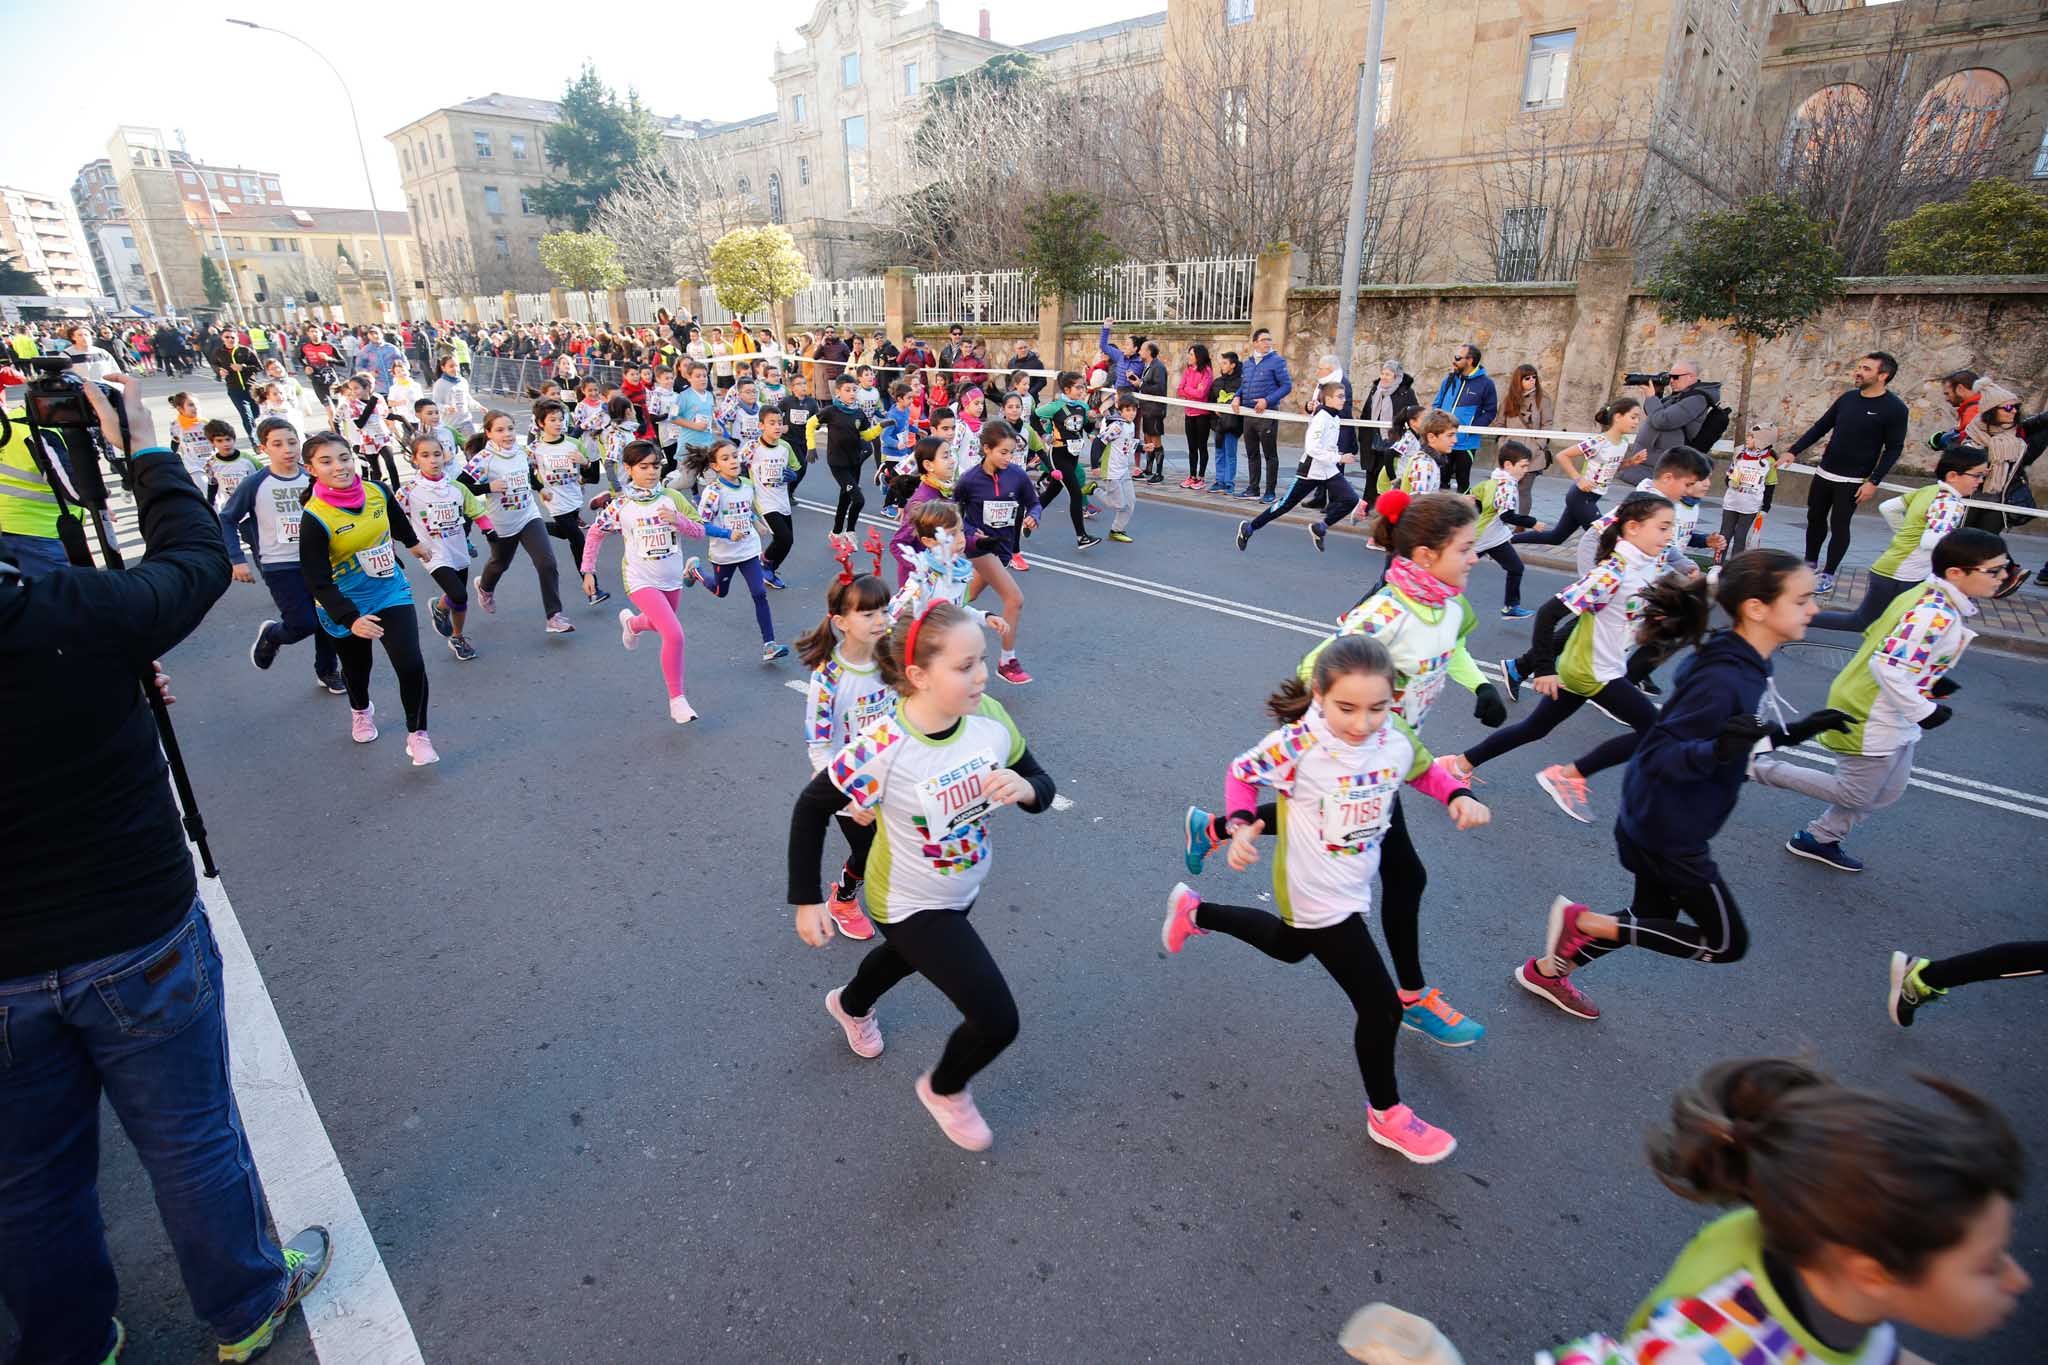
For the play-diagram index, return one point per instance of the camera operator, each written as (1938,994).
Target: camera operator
(112,980)
(1674,410)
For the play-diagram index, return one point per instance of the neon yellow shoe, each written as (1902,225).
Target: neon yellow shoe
(306,1258)
(120,1340)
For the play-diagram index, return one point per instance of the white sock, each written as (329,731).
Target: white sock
(1006,656)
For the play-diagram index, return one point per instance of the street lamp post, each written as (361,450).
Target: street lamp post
(213,211)
(390,281)
(1361,184)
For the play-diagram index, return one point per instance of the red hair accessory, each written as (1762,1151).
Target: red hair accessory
(842,550)
(910,637)
(1392,504)
(875,548)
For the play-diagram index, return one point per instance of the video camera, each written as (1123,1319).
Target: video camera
(55,408)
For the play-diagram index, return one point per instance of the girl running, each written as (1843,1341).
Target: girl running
(502,469)
(997,503)
(649,518)
(846,695)
(194,447)
(1067,423)
(1500,507)
(1613,607)
(929,480)
(1681,787)
(938,571)
(931,773)
(845,431)
(361,593)
(1337,762)
(562,461)
(1853,1209)
(440,509)
(1603,456)
(728,504)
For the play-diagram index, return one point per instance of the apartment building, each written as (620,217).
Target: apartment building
(37,232)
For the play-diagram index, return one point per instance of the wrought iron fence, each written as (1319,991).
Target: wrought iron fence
(841,303)
(996,296)
(1214,290)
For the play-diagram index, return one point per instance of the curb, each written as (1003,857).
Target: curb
(2003,641)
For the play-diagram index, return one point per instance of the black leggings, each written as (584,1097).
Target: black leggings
(454,585)
(859,839)
(1345,950)
(1619,699)
(401,641)
(1342,499)
(568,527)
(1829,509)
(2028,957)
(1461,471)
(1876,597)
(942,947)
(1580,509)
(534,536)
(781,536)
(1504,555)
(846,516)
(1071,482)
(1711,929)
(1198,444)
(1402,882)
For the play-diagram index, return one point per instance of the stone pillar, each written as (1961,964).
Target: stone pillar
(1052,340)
(469,312)
(686,299)
(1592,351)
(1273,278)
(558,305)
(899,302)
(434,310)
(615,307)
(509,301)
(355,305)
(782,317)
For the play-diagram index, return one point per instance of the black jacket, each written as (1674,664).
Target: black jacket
(1403,397)
(1030,361)
(1676,794)
(85,784)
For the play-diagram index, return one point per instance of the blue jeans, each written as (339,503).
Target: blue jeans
(296,619)
(245,406)
(146,1028)
(34,555)
(1226,459)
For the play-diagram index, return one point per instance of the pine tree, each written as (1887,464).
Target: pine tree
(599,137)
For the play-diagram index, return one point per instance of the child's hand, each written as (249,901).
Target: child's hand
(1547,685)
(1585,484)
(244,574)
(1717,541)
(590,585)
(1002,629)
(419,552)
(814,925)
(1541,526)
(1244,845)
(1005,788)
(859,815)
(1468,814)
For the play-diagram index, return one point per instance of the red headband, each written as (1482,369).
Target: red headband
(916,624)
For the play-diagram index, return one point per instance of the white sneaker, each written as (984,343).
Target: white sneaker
(679,710)
(559,624)
(627,635)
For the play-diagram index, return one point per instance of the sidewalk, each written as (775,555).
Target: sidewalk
(2019,624)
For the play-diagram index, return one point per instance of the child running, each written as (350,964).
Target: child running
(563,463)
(648,519)
(265,511)
(846,695)
(1337,761)
(1750,470)
(1119,463)
(441,509)
(729,505)
(1322,467)
(1604,456)
(772,467)
(846,431)
(931,773)
(1853,1209)
(938,570)
(1500,507)
(929,479)
(1067,424)
(1918,520)
(500,468)
(351,569)
(1681,787)
(997,503)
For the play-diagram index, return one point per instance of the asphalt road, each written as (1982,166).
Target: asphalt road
(573,1059)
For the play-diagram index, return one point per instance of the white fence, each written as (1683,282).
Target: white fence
(579,305)
(712,313)
(999,296)
(451,308)
(489,307)
(533,307)
(1218,290)
(643,304)
(841,303)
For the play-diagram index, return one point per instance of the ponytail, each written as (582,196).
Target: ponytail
(1634,508)
(1405,524)
(927,449)
(1615,408)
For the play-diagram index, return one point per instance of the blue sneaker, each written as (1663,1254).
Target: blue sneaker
(1511,679)
(1200,838)
(444,624)
(1516,613)
(1820,851)
(1433,1017)
(768,577)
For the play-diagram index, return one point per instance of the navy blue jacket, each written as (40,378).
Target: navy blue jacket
(1265,377)
(1676,795)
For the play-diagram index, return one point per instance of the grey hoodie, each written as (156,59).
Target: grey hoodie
(1666,419)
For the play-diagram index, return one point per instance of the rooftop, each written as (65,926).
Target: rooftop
(548,111)
(1100,31)
(306,218)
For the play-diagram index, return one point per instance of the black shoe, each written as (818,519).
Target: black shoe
(1087,542)
(1650,688)
(1511,680)
(263,652)
(1244,535)
(333,682)
(598,598)
(1318,533)
(2041,578)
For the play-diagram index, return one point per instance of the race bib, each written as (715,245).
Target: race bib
(997,515)
(1355,818)
(654,539)
(378,561)
(1420,695)
(870,710)
(956,798)
(558,470)
(1748,477)
(443,519)
(288,529)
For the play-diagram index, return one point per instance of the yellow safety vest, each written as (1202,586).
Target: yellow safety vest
(27,506)
(258,341)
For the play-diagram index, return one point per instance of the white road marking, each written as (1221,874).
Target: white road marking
(798,685)
(354,1317)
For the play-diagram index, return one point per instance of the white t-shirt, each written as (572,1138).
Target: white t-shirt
(561,469)
(1321,445)
(1608,603)
(1684,520)
(279,506)
(435,507)
(771,477)
(731,506)
(511,509)
(652,529)
(1599,459)
(228,475)
(844,698)
(1422,648)
(931,849)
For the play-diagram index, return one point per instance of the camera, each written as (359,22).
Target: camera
(1657,381)
(54,405)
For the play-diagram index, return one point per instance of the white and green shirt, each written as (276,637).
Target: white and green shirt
(561,471)
(1925,516)
(437,508)
(1906,651)
(1427,644)
(1608,602)
(843,699)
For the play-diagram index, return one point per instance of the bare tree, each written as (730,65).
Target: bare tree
(311,273)
(665,217)
(1402,217)
(450,268)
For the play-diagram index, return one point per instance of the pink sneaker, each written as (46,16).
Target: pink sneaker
(1562,937)
(488,600)
(559,624)
(1012,671)
(420,749)
(1558,990)
(863,1033)
(1571,793)
(1422,1143)
(1180,917)
(362,725)
(851,919)
(957,1117)
(627,635)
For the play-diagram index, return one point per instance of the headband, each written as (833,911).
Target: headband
(917,624)
(1392,504)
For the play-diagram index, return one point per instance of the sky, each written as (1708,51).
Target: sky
(262,101)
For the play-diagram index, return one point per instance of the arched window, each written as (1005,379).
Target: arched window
(746,187)
(1832,117)
(1956,126)
(774,197)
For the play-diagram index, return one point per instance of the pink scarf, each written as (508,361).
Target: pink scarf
(1418,584)
(347,499)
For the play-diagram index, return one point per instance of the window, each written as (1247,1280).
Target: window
(854,134)
(803,164)
(188,177)
(433,208)
(1384,108)
(1521,243)
(2041,157)
(423,153)
(518,146)
(910,82)
(1956,126)
(277,244)
(525,201)
(774,197)
(236,243)
(406,157)
(849,71)
(494,203)
(251,186)
(501,246)
(293,243)
(1832,120)
(483,143)
(270,183)
(746,187)
(128,241)
(799,109)
(1239,11)
(1236,116)
(449,197)
(441,141)
(1550,69)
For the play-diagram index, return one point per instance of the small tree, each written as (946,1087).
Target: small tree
(757,267)
(597,139)
(583,261)
(210,280)
(1762,269)
(14,279)
(1066,249)
(1998,228)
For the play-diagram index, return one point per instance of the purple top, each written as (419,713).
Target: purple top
(904,544)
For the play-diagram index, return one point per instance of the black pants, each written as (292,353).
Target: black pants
(859,839)
(1070,481)
(1504,555)
(534,536)
(1681,908)
(389,473)
(1345,950)
(2025,958)
(1262,452)
(1735,527)
(1618,698)
(1341,500)
(1374,462)
(568,527)
(1461,470)
(846,516)
(781,536)
(942,947)
(401,643)
(454,585)
(1876,598)
(1581,509)
(1829,508)
(1198,424)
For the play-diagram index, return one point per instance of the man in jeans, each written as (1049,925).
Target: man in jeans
(113,980)
(1866,430)
(1266,383)
(1467,393)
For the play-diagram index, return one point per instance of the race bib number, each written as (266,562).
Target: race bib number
(1355,818)
(378,561)
(1420,695)
(956,798)
(998,515)
(1748,478)
(654,539)
(444,519)
(558,470)
(736,520)
(871,709)
(288,529)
